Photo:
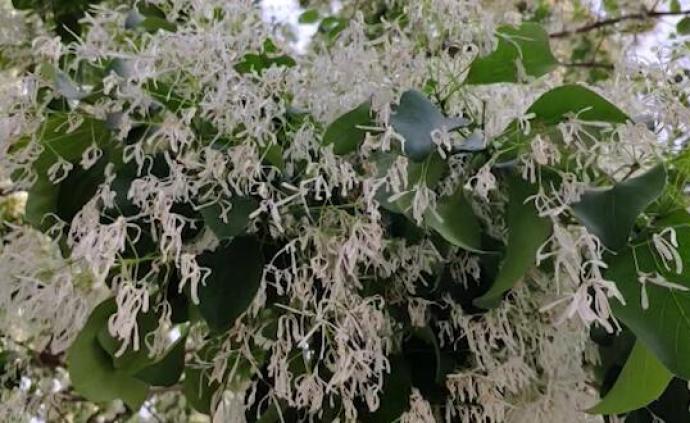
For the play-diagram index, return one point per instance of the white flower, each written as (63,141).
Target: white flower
(668,249)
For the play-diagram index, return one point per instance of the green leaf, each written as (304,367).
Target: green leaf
(415,119)
(344,133)
(456,222)
(611,214)
(91,370)
(683,26)
(130,361)
(236,270)
(150,23)
(395,396)
(611,6)
(237,218)
(167,370)
(332,26)
(556,105)
(674,6)
(427,335)
(528,44)
(257,63)
(642,380)
(43,196)
(197,387)
(526,233)
(309,16)
(664,327)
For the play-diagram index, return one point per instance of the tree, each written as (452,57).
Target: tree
(438,211)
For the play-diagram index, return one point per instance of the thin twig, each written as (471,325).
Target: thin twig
(641,16)
(589,65)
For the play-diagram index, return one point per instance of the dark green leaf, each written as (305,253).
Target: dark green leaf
(197,386)
(344,133)
(257,63)
(526,233)
(415,119)
(332,26)
(528,44)
(556,105)
(91,370)
(683,26)
(641,381)
(456,222)
(130,361)
(395,398)
(167,370)
(611,214)
(664,327)
(236,220)
(235,278)
(44,195)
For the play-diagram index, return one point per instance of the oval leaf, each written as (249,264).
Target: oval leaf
(642,380)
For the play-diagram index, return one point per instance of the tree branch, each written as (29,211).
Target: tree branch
(641,16)
(591,65)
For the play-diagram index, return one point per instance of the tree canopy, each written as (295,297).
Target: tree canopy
(431,211)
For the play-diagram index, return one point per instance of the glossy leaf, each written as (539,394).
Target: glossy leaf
(526,233)
(236,221)
(664,327)
(610,214)
(415,119)
(642,380)
(344,133)
(456,222)
(527,44)
(91,370)
(235,279)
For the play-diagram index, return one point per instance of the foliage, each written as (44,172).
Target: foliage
(425,214)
